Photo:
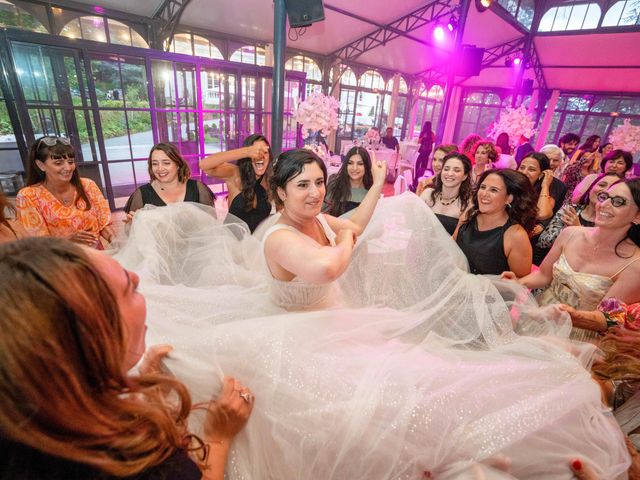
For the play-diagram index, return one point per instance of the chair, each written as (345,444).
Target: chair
(400,185)
(408,176)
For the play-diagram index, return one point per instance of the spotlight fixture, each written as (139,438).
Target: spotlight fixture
(517,61)
(452,24)
(438,33)
(483,5)
(508,62)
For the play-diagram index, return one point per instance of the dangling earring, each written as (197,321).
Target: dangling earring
(508,206)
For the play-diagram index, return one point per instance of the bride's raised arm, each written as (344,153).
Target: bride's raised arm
(359,220)
(290,255)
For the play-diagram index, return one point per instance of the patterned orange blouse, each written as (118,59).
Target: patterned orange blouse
(42,214)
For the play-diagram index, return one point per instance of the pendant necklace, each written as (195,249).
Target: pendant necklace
(448,201)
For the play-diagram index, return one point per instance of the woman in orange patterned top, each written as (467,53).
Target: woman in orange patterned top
(57,202)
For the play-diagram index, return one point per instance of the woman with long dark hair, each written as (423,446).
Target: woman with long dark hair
(505,159)
(347,188)
(247,179)
(425,140)
(57,201)
(495,236)
(450,196)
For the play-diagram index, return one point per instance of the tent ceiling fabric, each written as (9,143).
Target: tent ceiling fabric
(253,19)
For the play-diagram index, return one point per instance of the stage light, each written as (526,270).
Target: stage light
(438,33)
(452,24)
(517,61)
(508,62)
(483,5)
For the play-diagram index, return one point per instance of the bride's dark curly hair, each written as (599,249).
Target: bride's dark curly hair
(247,173)
(524,209)
(339,186)
(288,166)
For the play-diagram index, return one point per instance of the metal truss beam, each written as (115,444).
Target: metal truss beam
(400,27)
(538,70)
(166,18)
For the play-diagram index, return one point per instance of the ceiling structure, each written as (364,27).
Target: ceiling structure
(400,38)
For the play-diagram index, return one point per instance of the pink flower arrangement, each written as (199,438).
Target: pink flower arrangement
(514,122)
(318,113)
(626,137)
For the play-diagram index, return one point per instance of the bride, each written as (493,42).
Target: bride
(371,350)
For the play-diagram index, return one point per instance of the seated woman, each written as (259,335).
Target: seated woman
(587,265)
(590,145)
(9,228)
(247,180)
(618,162)
(169,182)
(577,171)
(347,188)
(83,415)
(556,156)
(439,153)
(495,234)
(57,202)
(550,193)
(505,159)
(484,155)
(450,197)
(582,213)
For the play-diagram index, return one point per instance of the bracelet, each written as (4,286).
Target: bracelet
(610,322)
(545,195)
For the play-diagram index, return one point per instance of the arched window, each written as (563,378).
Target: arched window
(348,78)
(571,17)
(301,63)
(95,28)
(373,80)
(402,88)
(436,93)
(201,47)
(12,16)
(626,12)
(249,54)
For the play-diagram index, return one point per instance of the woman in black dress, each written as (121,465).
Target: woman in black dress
(425,140)
(247,179)
(495,237)
(169,182)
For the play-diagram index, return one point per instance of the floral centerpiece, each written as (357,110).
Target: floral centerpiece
(318,113)
(372,138)
(626,137)
(514,122)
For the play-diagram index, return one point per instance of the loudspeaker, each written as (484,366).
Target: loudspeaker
(469,63)
(527,86)
(303,13)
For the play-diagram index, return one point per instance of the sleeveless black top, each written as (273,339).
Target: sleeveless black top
(484,250)
(150,197)
(19,462)
(449,223)
(253,216)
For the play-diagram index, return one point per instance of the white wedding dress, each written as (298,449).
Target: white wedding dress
(408,364)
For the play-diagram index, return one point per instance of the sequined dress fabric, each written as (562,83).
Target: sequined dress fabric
(410,364)
(583,291)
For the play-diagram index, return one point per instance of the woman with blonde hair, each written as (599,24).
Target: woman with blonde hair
(9,229)
(73,325)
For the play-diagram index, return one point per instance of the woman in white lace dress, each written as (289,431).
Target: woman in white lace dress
(402,365)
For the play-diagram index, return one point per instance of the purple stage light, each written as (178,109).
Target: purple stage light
(438,33)
(517,61)
(98,9)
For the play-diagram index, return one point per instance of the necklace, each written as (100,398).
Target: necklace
(66,199)
(447,201)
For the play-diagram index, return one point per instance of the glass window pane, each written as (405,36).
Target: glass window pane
(167,126)
(546,23)
(93,29)
(577,17)
(201,46)
(525,12)
(630,13)
(114,131)
(163,84)
(141,169)
(141,132)
(106,76)
(12,16)
(137,40)
(72,29)
(119,33)
(134,79)
(593,16)
(186,82)
(562,19)
(182,43)
(612,17)
(214,132)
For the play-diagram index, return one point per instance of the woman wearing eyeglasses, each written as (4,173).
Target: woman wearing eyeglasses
(587,265)
(57,202)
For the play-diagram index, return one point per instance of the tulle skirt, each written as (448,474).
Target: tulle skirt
(418,366)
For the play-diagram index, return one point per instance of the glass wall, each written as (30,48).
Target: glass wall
(429,108)
(592,115)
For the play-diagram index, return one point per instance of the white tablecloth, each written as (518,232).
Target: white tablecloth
(409,152)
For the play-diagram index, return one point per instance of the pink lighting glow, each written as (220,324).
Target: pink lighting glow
(517,61)
(438,33)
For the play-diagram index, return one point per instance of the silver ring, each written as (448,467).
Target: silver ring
(246,396)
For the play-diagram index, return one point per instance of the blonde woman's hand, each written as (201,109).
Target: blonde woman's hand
(228,414)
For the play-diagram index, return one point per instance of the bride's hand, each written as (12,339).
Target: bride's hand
(228,414)
(379,172)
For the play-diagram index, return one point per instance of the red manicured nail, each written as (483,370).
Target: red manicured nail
(577,465)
